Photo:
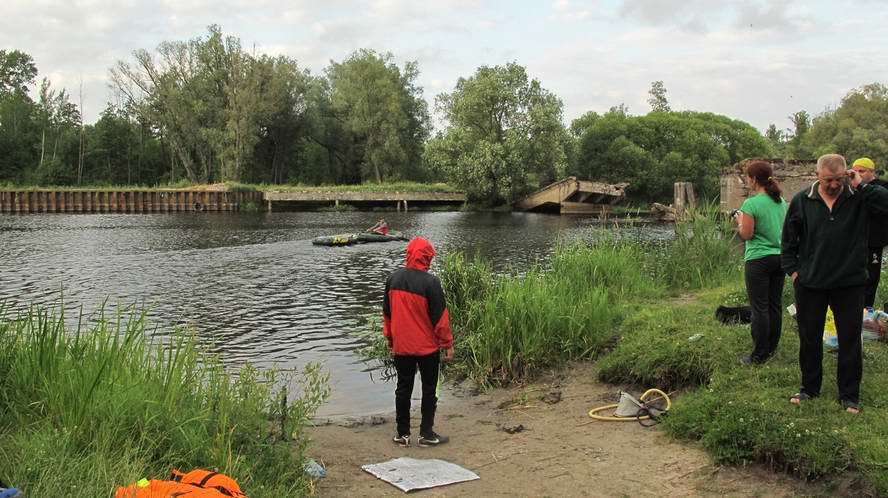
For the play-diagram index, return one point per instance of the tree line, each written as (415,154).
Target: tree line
(207,110)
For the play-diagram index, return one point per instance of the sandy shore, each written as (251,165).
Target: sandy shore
(521,444)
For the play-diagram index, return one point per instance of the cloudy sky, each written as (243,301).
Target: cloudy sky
(756,60)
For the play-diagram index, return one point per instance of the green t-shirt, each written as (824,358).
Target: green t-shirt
(768,216)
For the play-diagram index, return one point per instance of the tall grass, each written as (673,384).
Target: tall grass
(508,327)
(512,326)
(87,409)
(504,341)
(702,255)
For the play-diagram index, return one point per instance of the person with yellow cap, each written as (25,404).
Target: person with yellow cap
(878,232)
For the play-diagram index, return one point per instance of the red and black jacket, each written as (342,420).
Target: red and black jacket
(415,319)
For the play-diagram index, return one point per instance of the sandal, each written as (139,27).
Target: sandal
(851,407)
(798,398)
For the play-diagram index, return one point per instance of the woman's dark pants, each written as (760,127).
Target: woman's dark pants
(764,286)
(406,367)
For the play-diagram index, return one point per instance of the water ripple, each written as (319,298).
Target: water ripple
(253,287)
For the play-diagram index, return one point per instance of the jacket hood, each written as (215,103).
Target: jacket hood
(419,254)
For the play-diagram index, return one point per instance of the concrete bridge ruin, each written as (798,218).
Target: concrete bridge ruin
(573,196)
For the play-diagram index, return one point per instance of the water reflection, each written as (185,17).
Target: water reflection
(253,286)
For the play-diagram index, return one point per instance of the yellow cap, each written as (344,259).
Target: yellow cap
(143,483)
(864,162)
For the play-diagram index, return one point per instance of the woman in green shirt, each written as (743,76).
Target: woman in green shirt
(760,223)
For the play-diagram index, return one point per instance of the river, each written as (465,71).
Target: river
(253,286)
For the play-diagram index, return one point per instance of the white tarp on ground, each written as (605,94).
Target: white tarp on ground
(408,474)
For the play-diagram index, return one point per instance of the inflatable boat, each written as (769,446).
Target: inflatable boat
(347,239)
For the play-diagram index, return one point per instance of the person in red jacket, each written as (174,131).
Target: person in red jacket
(417,327)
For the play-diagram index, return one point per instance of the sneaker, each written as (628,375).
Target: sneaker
(432,439)
(402,441)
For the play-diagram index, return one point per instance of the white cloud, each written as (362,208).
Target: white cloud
(757,60)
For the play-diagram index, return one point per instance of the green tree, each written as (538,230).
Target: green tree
(18,133)
(777,139)
(209,98)
(858,127)
(59,120)
(17,72)
(502,129)
(796,143)
(657,98)
(282,151)
(382,111)
(652,152)
(578,126)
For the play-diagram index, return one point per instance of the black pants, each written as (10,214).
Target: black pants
(428,372)
(847,306)
(874,267)
(764,286)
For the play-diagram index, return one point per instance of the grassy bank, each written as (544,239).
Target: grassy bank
(85,410)
(647,314)
(741,414)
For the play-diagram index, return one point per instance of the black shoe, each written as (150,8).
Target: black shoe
(403,440)
(432,439)
(751,360)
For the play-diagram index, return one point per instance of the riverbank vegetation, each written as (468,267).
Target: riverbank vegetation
(645,313)
(89,408)
(205,110)
(386,187)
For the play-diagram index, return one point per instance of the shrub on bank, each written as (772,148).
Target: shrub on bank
(84,410)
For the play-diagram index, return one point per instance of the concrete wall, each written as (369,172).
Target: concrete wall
(793,175)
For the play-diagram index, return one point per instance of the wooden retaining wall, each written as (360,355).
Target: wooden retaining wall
(123,201)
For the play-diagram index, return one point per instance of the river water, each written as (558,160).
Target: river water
(252,285)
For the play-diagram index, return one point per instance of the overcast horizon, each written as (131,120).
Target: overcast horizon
(754,60)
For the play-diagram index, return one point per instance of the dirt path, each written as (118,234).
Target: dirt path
(561,452)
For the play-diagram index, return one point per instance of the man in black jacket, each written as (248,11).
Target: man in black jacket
(878,232)
(824,250)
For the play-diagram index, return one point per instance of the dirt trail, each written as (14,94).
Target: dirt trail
(560,452)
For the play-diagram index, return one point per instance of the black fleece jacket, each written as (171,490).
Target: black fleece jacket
(829,248)
(878,236)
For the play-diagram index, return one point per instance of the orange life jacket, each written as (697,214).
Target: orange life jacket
(195,484)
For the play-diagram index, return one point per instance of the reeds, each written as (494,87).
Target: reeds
(86,409)
(704,253)
(511,326)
